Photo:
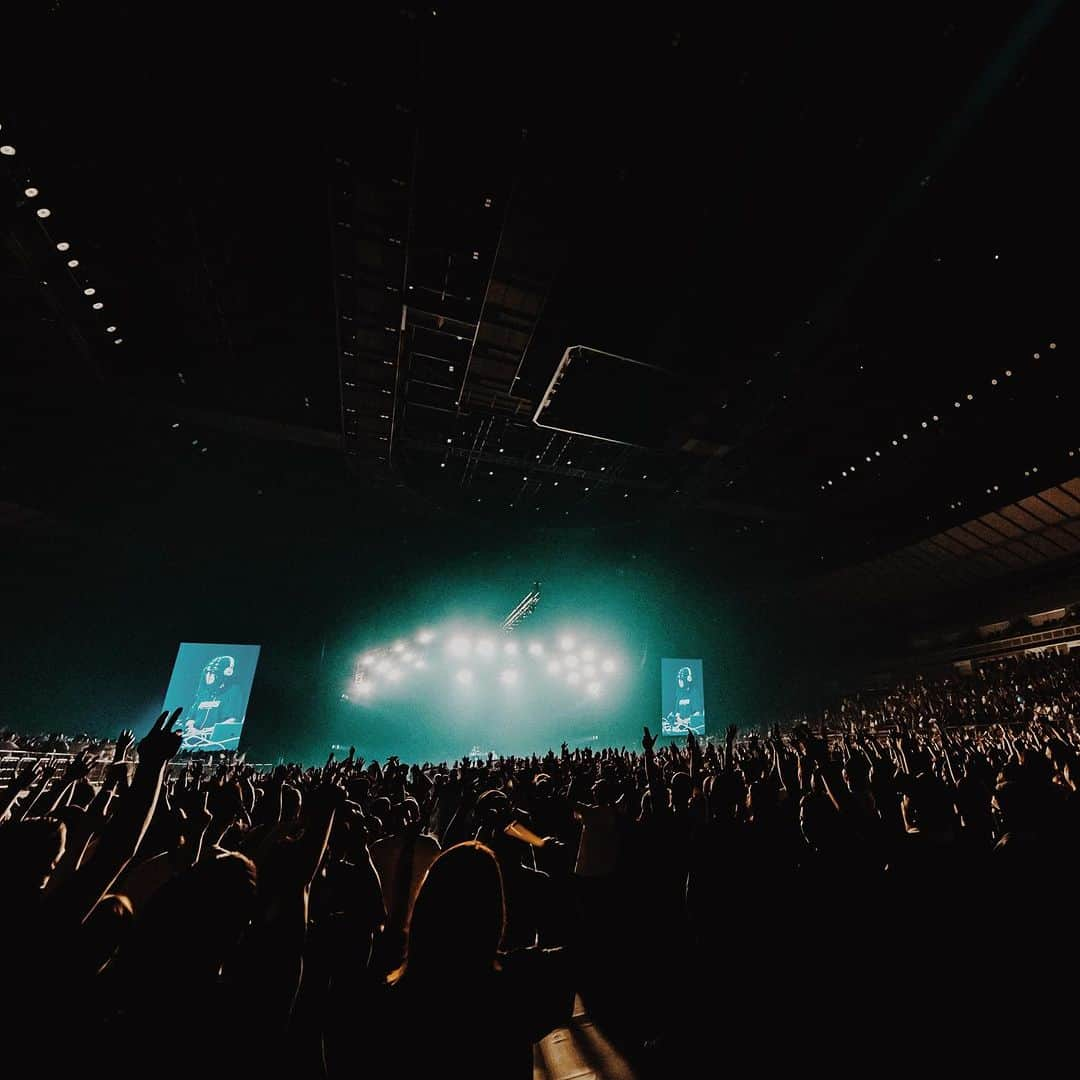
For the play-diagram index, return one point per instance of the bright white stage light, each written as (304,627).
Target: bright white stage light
(608,666)
(89,292)
(510,648)
(588,654)
(573,678)
(73,263)
(368,659)
(465,677)
(44,212)
(509,677)
(535,648)
(589,671)
(394,674)
(63,246)
(554,667)
(566,642)
(97,306)
(485,648)
(7,151)
(399,646)
(459,646)
(31,192)
(571,661)
(594,689)
(425,637)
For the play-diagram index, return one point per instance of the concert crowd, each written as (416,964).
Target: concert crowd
(890,885)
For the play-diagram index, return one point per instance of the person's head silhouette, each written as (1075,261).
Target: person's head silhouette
(458,917)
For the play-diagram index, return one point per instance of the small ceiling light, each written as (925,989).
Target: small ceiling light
(89,292)
(895,443)
(43,212)
(442,464)
(556,483)
(904,436)
(31,192)
(1034,468)
(877,453)
(175,426)
(1035,356)
(63,246)
(7,151)
(956,404)
(1008,374)
(830,483)
(867,457)
(110,329)
(97,305)
(1053,344)
(993,382)
(119,341)
(971,397)
(935,419)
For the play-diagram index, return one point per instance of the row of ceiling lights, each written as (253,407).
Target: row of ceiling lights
(844,473)
(31,193)
(1033,471)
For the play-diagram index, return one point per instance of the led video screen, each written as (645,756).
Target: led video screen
(682,697)
(211,684)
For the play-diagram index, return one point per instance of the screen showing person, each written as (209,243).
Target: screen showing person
(212,684)
(682,697)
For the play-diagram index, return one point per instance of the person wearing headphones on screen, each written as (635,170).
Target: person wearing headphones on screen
(213,719)
(689,711)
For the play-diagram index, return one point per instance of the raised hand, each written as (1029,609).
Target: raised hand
(161,743)
(28,772)
(79,766)
(732,731)
(123,744)
(648,740)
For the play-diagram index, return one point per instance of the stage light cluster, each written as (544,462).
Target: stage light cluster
(458,659)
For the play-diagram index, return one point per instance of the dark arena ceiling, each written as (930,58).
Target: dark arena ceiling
(815,263)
